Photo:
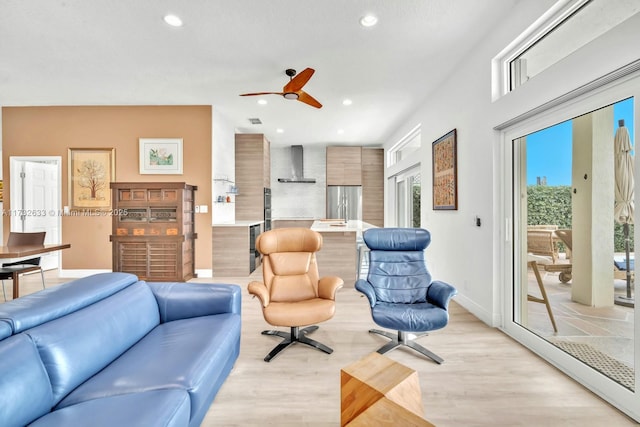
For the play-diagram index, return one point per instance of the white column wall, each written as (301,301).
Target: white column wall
(592,208)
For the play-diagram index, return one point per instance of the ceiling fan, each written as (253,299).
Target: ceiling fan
(293,89)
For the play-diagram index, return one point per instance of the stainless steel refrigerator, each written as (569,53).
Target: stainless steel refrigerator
(344,202)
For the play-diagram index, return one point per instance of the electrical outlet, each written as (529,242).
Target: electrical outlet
(204,208)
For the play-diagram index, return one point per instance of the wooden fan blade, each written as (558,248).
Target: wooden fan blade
(299,80)
(308,99)
(261,93)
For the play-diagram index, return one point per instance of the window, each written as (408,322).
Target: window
(563,30)
(405,147)
(408,194)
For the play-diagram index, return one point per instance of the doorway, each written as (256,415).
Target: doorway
(35,196)
(559,299)
(407,198)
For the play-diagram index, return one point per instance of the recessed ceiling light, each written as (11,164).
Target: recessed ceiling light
(340,131)
(347,101)
(368,20)
(262,101)
(173,20)
(280,130)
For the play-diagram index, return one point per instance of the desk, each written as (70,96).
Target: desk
(21,253)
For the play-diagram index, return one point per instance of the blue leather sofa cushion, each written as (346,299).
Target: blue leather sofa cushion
(185,300)
(52,303)
(5,330)
(176,354)
(26,392)
(77,346)
(158,408)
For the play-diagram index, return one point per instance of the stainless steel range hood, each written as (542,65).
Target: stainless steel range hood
(297,168)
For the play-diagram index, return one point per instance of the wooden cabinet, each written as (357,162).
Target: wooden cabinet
(253,175)
(153,230)
(234,249)
(373,186)
(344,165)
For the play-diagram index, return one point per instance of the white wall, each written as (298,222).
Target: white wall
(461,253)
(298,200)
(223,164)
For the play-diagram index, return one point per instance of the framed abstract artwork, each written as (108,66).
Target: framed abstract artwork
(161,156)
(445,172)
(91,170)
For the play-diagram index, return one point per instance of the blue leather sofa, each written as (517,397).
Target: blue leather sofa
(109,350)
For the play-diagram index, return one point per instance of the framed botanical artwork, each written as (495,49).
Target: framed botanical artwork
(445,172)
(161,156)
(91,170)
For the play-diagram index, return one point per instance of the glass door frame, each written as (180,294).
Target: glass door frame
(511,248)
(403,183)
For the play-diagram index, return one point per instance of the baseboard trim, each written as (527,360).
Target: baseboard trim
(491,319)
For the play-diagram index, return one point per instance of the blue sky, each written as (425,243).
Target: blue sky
(549,150)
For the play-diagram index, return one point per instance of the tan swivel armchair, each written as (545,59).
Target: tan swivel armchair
(292,293)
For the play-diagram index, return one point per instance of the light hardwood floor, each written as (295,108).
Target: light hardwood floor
(487,379)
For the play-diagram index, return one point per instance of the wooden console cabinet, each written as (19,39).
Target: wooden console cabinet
(153,230)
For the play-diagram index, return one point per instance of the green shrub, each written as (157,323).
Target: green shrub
(552,205)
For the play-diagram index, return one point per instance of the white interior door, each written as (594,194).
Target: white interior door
(35,200)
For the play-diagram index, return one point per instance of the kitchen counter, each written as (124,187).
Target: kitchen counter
(340,244)
(238,223)
(338,226)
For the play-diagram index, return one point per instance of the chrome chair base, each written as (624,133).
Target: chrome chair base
(401,339)
(296,335)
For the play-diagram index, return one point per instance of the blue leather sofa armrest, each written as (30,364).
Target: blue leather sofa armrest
(187,300)
(366,288)
(440,293)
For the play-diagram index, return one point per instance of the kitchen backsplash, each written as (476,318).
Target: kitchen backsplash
(298,200)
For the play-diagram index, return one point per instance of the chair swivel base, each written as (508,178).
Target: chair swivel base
(296,335)
(401,339)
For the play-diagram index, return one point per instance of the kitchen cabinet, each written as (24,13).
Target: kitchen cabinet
(373,186)
(153,230)
(344,165)
(253,175)
(233,248)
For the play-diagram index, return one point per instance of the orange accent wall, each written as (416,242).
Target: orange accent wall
(51,131)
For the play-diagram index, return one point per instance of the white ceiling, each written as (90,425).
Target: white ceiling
(108,52)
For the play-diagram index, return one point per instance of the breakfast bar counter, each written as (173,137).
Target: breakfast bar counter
(339,253)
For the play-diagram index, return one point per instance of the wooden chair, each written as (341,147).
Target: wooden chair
(533,264)
(542,252)
(541,242)
(619,268)
(13,270)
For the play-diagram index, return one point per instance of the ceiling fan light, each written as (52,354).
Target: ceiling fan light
(262,101)
(368,20)
(291,95)
(173,20)
(347,101)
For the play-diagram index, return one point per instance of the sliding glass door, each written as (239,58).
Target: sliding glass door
(569,266)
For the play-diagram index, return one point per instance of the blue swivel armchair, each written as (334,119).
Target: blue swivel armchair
(400,290)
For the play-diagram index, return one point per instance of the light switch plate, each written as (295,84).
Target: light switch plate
(204,208)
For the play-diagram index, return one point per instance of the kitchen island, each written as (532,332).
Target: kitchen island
(339,253)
